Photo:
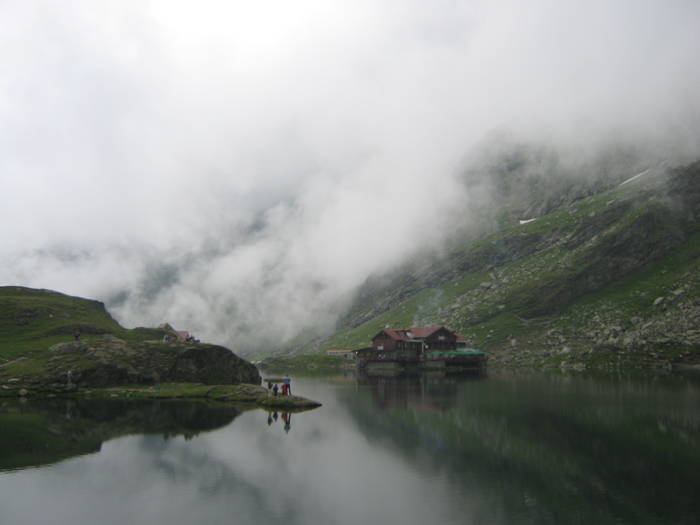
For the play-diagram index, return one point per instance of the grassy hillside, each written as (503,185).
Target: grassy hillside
(38,353)
(33,320)
(610,279)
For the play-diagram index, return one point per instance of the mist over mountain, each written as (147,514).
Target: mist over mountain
(241,169)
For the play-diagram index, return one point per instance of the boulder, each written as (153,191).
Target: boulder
(213,365)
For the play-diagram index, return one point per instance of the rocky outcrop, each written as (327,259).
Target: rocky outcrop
(211,365)
(287,402)
(97,351)
(668,337)
(110,361)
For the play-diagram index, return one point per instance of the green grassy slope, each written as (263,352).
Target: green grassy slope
(611,278)
(33,320)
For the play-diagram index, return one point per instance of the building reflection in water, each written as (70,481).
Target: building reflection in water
(421,391)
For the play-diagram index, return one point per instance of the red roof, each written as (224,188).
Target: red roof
(415,332)
(182,335)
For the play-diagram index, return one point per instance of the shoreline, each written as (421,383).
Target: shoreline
(255,395)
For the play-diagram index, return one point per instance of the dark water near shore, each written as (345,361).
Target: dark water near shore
(503,449)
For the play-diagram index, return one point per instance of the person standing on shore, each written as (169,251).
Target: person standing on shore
(287,381)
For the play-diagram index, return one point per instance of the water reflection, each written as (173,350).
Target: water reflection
(528,449)
(45,431)
(426,391)
(551,449)
(286,419)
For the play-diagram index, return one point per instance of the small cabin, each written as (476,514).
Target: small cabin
(182,336)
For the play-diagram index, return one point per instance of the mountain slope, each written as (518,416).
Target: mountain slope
(38,350)
(32,319)
(612,278)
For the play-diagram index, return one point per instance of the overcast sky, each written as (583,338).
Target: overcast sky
(228,166)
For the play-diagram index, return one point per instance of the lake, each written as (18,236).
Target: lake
(506,448)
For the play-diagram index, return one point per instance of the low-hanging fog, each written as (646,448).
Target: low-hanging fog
(240,168)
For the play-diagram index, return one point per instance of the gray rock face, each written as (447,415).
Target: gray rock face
(215,365)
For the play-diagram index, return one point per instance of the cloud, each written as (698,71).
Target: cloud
(239,168)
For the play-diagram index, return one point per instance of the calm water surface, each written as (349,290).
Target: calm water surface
(503,449)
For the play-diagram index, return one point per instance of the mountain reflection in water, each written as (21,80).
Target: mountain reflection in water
(45,431)
(507,449)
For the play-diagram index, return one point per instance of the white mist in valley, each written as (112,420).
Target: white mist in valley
(240,168)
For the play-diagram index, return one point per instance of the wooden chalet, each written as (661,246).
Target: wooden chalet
(417,338)
(419,344)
